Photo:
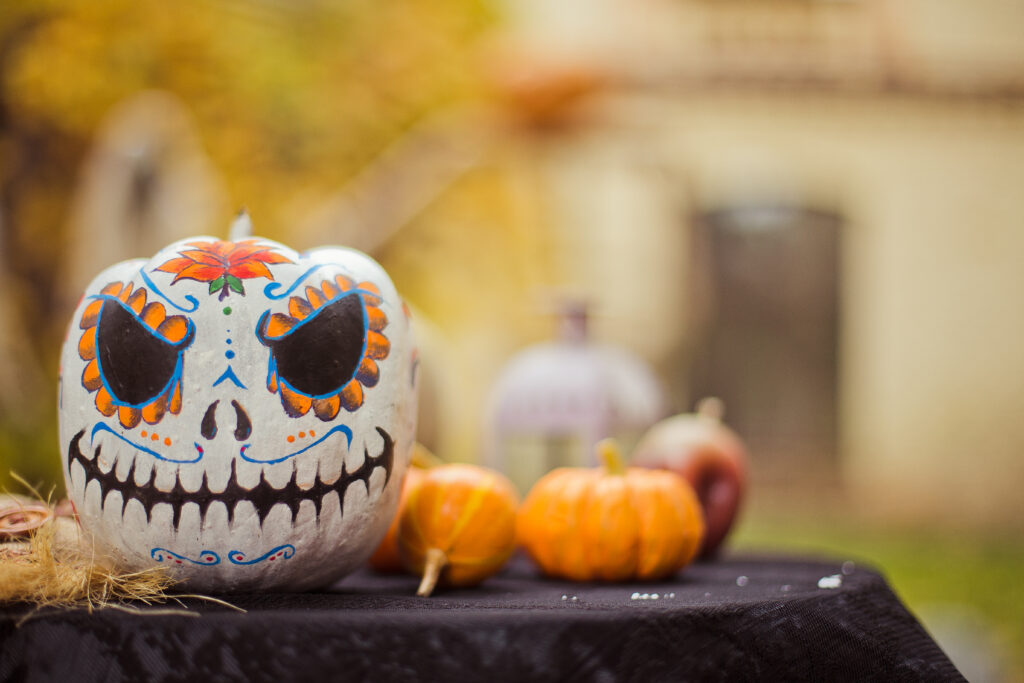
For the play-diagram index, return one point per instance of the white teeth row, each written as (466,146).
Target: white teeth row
(244,520)
(308,465)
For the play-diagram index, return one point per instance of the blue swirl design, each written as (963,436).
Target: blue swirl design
(102,427)
(270,291)
(285,552)
(207,558)
(188,297)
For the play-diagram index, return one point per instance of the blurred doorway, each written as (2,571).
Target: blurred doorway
(767,301)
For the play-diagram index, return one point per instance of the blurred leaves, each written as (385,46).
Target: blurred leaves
(290,100)
(286,95)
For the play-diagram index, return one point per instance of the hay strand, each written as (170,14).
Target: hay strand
(53,567)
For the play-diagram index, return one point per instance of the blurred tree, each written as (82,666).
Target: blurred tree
(290,99)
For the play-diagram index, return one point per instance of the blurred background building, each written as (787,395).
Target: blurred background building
(811,208)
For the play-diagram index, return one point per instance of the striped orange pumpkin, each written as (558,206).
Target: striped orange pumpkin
(457,526)
(610,523)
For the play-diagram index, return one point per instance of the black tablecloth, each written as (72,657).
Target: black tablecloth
(756,619)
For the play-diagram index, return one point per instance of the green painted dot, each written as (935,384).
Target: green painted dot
(227,310)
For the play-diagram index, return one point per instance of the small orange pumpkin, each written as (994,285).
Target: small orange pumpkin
(385,558)
(610,523)
(458,526)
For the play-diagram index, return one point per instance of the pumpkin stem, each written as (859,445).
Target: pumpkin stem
(241,227)
(423,458)
(611,456)
(712,408)
(436,560)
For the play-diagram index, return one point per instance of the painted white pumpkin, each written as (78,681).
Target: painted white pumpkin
(239,412)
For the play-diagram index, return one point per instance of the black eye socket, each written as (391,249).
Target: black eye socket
(319,355)
(135,362)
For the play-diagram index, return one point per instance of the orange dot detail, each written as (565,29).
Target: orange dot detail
(302,435)
(312,433)
(167,442)
(155,437)
(291,439)
(144,434)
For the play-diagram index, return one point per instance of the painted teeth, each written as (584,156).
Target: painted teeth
(263,496)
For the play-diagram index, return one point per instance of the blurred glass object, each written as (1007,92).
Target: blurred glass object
(553,402)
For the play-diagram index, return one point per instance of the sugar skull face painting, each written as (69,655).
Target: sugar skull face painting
(238,412)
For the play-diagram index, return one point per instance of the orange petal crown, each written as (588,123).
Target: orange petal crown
(376,347)
(153,315)
(224,264)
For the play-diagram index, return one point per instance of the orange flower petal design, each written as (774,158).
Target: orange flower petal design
(104,403)
(352,396)
(174,405)
(330,289)
(126,292)
(219,247)
(153,314)
(174,328)
(200,272)
(91,314)
(91,376)
(87,345)
(112,289)
(315,297)
(344,284)
(326,408)
(272,383)
(250,269)
(175,265)
(271,257)
(377,345)
(247,250)
(299,308)
(376,319)
(368,373)
(154,411)
(204,257)
(296,405)
(371,293)
(129,417)
(279,324)
(137,301)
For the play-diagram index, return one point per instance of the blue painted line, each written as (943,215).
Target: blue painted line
(101,427)
(270,290)
(188,297)
(340,428)
(229,374)
(207,558)
(238,557)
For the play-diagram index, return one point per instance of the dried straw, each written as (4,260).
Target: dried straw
(55,568)
(50,571)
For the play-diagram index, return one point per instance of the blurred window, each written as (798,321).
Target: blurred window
(767,340)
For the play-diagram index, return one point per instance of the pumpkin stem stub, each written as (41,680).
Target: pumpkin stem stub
(241,227)
(611,456)
(712,408)
(435,562)
(423,458)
